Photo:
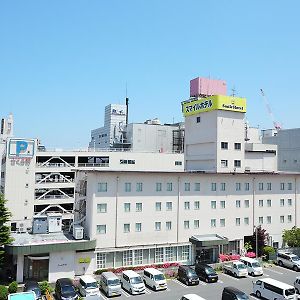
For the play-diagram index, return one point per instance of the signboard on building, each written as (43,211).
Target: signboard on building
(216,102)
(18,148)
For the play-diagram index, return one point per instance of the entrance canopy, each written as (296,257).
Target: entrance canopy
(208,240)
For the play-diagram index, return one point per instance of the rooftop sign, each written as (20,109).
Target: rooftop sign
(215,102)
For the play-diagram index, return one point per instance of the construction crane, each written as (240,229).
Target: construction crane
(276,124)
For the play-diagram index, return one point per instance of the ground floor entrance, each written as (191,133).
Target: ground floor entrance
(36,267)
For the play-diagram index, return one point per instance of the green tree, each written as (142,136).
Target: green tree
(5,237)
(291,237)
(262,236)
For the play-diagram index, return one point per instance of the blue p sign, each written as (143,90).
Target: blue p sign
(21,147)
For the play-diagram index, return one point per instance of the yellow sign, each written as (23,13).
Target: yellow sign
(213,103)
(84,260)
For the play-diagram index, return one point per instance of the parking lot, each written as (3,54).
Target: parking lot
(213,291)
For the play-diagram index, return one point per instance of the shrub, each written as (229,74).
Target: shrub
(3,292)
(250,254)
(44,286)
(267,250)
(13,287)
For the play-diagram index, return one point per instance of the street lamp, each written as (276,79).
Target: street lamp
(256,241)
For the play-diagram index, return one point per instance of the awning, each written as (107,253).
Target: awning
(208,240)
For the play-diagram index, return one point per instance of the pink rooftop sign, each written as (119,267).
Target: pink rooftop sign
(207,86)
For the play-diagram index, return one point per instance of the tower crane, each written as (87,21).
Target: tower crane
(276,124)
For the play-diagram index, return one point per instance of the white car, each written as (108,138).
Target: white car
(88,286)
(132,282)
(155,279)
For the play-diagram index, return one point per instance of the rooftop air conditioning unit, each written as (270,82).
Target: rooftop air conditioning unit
(78,232)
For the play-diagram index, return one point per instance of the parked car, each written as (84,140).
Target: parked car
(289,260)
(232,293)
(132,282)
(191,297)
(187,275)
(110,284)
(206,273)
(155,279)
(33,286)
(65,290)
(235,268)
(297,284)
(253,266)
(88,286)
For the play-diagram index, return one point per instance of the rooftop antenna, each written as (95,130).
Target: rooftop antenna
(233,91)
(127,104)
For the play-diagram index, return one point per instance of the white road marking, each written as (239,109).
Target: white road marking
(147,291)
(230,277)
(220,281)
(253,297)
(125,294)
(276,272)
(102,296)
(180,283)
(202,283)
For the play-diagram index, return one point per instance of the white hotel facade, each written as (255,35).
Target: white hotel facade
(152,210)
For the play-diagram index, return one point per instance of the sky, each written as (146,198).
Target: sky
(62,62)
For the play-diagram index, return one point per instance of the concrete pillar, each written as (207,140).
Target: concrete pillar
(20,268)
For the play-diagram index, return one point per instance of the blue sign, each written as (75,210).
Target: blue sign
(21,148)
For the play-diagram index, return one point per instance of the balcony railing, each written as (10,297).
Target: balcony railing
(54,165)
(53,180)
(54,197)
(83,165)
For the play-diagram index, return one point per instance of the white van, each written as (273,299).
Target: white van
(132,282)
(155,279)
(88,286)
(191,297)
(253,266)
(110,284)
(273,289)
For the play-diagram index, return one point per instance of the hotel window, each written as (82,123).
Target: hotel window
(281,202)
(169,205)
(269,202)
(178,163)
(269,219)
(213,204)
(224,145)
(139,186)
(269,186)
(157,226)
(138,256)
(196,205)
(169,186)
(101,229)
(290,218)
(159,255)
(102,187)
(247,186)
(185,252)
(198,119)
(246,221)
(127,187)
(127,258)
(186,224)
(290,203)
(102,208)
(158,186)
(260,203)
(138,206)
(138,227)
(196,224)
(281,219)
(126,228)
(101,260)
(168,225)
(169,253)
(187,186)
(224,163)
(186,205)
(223,186)
(237,163)
(158,206)
(290,186)
(213,223)
(237,146)
(282,186)
(222,204)
(213,186)
(261,186)
(222,222)
(238,186)
(247,203)
(127,207)
(260,220)
(197,186)
(238,203)
(237,221)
